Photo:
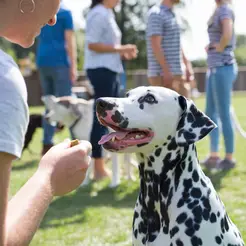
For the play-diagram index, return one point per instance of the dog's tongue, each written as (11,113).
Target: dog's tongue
(108,137)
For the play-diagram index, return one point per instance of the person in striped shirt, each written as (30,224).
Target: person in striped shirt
(222,72)
(165,55)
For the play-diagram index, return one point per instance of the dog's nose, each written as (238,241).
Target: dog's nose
(102,106)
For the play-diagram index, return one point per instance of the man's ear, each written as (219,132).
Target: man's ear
(193,124)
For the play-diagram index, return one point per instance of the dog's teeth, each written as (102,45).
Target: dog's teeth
(113,139)
(138,136)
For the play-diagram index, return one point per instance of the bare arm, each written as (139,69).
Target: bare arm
(227,30)
(20,218)
(26,210)
(71,47)
(188,67)
(159,53)
(72,53)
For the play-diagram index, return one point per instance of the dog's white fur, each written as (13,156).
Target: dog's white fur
(67,110)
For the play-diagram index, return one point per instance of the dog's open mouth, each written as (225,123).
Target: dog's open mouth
(123,138)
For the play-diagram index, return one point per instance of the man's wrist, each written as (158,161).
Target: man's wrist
(43,180)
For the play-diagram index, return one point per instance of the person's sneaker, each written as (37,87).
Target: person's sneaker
(211,162)
(226,164)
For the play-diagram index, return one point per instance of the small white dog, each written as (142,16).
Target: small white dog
(77,114)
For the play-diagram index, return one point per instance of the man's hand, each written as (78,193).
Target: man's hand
(73,74)
(65,166)
(167,79)
(189,73)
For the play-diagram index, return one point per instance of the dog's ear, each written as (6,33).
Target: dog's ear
(193,124)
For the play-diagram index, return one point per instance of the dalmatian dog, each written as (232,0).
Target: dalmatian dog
(177,204)
(77,115)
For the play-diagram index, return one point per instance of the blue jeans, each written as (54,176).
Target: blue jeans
(54,81)
(219,87)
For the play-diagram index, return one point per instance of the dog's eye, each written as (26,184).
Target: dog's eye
(149,99)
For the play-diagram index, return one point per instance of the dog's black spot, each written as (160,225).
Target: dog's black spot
(203,183)
(195,176)
(181,218)
(182,103)
(190,232)
(152,158)
(179,242)
(218,240)
(158,152)
(141,106)
(190,167)
(103,106)
(117,117)
(213,218)
(172,145)
(195,241)
(173,231)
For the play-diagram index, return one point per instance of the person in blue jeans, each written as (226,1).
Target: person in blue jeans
(221,75)
(57,63)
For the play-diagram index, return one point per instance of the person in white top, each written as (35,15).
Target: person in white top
(63,168)
(103,62)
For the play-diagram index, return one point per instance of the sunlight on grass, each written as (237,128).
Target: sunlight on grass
(99,216)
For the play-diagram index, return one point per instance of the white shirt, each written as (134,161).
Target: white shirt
(101,27)
(14,114)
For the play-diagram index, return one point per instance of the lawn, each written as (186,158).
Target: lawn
(100,216)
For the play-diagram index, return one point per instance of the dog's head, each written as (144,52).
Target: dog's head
(67,110)
(147,117)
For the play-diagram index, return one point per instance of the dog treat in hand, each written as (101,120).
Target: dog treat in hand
(74,142)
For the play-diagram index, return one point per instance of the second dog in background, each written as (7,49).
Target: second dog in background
(77,114)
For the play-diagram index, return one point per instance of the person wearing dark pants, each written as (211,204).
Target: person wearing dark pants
(102,63)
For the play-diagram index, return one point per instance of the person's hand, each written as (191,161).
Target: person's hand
(216,47)
(189,73)
(65,166)
(128,51)
(207,48)
(73,74)
(167,79)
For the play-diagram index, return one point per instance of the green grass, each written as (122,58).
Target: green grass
(97,215)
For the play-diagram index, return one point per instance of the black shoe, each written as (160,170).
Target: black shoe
(211,162)
(226,164)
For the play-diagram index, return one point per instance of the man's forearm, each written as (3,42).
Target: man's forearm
(27,209)
(160,57)
(72,50)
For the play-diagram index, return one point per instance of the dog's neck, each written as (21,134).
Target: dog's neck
(77,128)
(161,173)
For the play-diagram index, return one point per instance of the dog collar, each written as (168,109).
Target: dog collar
(73,126)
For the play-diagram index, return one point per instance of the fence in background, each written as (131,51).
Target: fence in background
(135,78)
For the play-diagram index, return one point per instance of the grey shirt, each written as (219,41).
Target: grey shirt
(226,57)
(14,115)
(163,22)
(101,27)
